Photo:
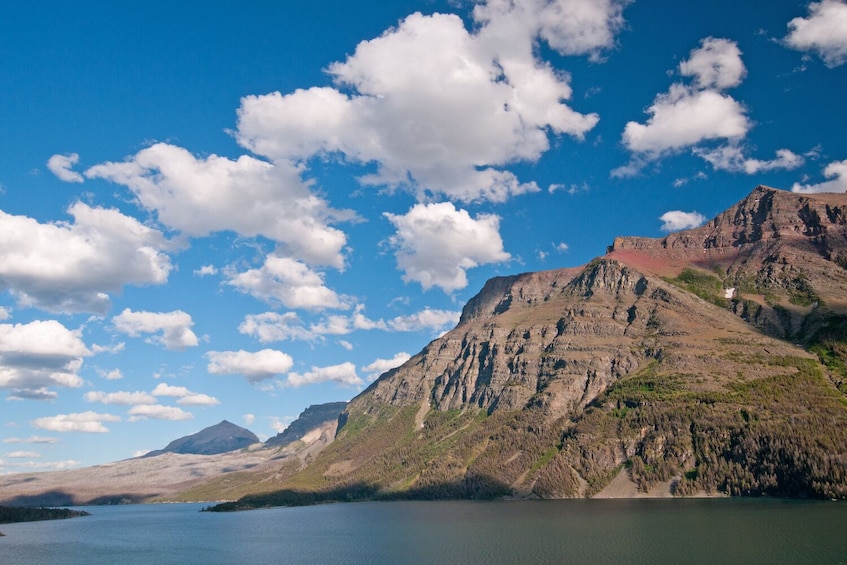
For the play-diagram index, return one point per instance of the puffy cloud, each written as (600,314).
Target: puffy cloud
(437,107)
(716,64)
(343,374)
(824,32)
(282,280)
(732,158)
(379,366)
(174,327)
(678,220)
(249,419)
(436,244)
(248,196)
(684,117)
(273,326)
(158,412)
(255,366)
(88,422)
(38,355)
(70,267)
(62,167)
(121,397)
(426,319)
(22,454)
(690,114)
(206,270)
(836,172)
(4,313)
(113,375)
(185,396)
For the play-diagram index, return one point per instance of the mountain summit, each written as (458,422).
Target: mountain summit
(220,438)
(711,361)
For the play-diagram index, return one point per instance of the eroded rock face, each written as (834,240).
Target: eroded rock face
(557,338)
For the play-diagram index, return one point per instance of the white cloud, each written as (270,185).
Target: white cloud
(174,327)
(438,108)
(824,32)
(44,465)
(249,419)
(343,374)
(690,114)
(255,366)
(158,412)
(113,375)
(4,313)
(561,247)
(426,319)
(379,366)
(345,344)
(71,267)
(436,244)
(732,158)
(22,454)
(198,399)
(836,172)
(38,355)
(282,280)
(280,424)
(62,167)
(89,422)
(248,196)
(164,389)
(273,326)
(121,397)
(678,220)
(715,65)
(206,270)
(31,439)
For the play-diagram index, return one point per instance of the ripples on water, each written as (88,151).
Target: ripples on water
(579,531)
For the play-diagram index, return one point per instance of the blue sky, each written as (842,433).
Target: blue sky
(239,211)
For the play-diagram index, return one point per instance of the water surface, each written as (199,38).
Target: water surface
(578,531)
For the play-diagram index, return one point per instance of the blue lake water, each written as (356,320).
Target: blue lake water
(572,531)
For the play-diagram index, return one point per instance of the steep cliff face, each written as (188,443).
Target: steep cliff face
(782,254)
(642,360)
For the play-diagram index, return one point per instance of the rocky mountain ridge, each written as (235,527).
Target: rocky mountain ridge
(649,363)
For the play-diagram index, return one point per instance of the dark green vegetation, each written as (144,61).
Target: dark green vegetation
(10,514)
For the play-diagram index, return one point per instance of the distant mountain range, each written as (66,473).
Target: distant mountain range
(710,362)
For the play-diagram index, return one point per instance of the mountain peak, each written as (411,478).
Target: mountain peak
(220,438)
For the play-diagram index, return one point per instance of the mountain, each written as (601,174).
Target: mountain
(220,438)
(709,362)
(311,419)
(213,464)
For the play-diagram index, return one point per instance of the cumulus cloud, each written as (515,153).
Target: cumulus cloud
(836,172)
(379,366)
(38,355)
(255,366)
(121,397)
(282,280)
(4,313)
(437,107)
(88,422)
(676,220)
(174,327)
(343,374)
(249,419)
(732,158)
(436,243)
(71,267)
(62,167)
(274,326)
(201,196)
(206,270)
(426,319)
(158,412)
(185,396)
(689,114)
(824,32)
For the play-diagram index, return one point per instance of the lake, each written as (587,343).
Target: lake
(577,531)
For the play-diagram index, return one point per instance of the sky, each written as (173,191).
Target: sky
(233,211)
